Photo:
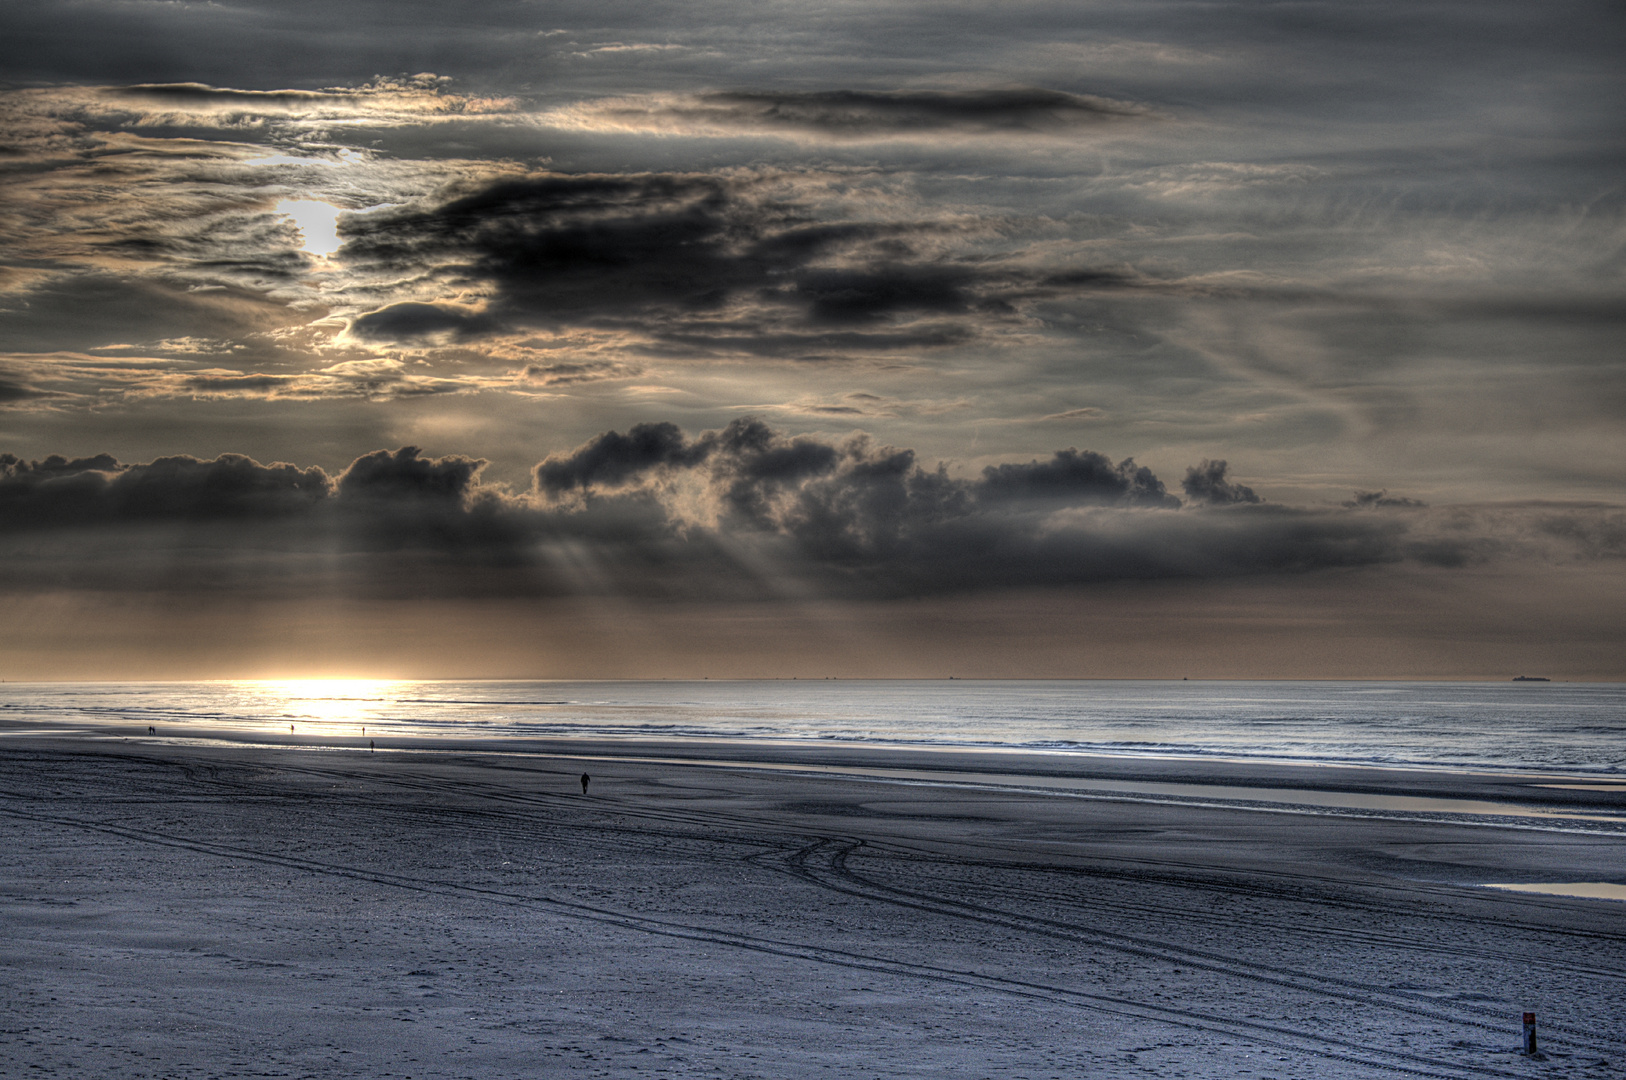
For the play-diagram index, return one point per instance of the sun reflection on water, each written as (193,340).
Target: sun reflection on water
(324,701)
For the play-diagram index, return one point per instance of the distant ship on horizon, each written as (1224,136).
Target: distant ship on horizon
(1531,678)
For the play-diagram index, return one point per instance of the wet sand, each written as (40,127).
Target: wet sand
(181,909)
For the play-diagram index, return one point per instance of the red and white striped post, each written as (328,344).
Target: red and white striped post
(1530,1033)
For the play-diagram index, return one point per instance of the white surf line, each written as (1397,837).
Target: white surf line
(460,742)
(1417,1064)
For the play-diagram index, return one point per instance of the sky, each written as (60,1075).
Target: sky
(881,339)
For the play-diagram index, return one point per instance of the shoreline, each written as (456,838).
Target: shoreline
(1518,800)
(1579,788)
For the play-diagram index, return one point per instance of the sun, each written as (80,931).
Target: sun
(318,224)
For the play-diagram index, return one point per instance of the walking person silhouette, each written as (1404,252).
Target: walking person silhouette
(585,779)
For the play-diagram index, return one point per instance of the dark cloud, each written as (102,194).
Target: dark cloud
(237,383)
(739,512)
(869,113)
(201,93)
(694,261)
(612,459)
(1368,500)
(88,491)
(1077,476)
(404,322)
(1598,532)
(14,390)
(859,517)
(570,249)
(755,469)
(864,295)
(404,475)
(82,311)
(815,345)
(862,518)
(569,374)
(1206,484)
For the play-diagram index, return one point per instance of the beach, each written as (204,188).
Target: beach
(190,907)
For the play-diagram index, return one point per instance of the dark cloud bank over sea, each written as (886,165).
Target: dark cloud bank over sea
(731,514)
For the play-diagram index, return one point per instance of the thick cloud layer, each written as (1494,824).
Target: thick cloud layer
(745,511)
(99,490)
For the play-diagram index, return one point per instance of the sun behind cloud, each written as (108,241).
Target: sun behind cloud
(318,224)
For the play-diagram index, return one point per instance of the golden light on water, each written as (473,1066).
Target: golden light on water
(318,224)
(325,701)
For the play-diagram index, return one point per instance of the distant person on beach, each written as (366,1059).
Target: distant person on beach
(371,745)
(151,730)
(585,779)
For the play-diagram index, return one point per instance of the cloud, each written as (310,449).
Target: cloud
(76,380)
(405,475)
(1598,532)
(84,311)
(237,384)
(1206,484)
(407,321)
(202,94)
(856,114)
(855,515)
(566,249)
(612,459)
(411,99)
(1078,477)
(13,390)
(1369,500)
(745,511)
(700,264)
(573,373)
(1087,412)
(859,403)
(98,490)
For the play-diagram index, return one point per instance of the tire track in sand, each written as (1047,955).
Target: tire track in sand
(825,863)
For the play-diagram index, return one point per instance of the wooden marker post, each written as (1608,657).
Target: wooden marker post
(1529,1033)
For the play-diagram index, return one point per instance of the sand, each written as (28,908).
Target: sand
(177,909)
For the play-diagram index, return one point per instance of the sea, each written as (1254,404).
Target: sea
(1577,728)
